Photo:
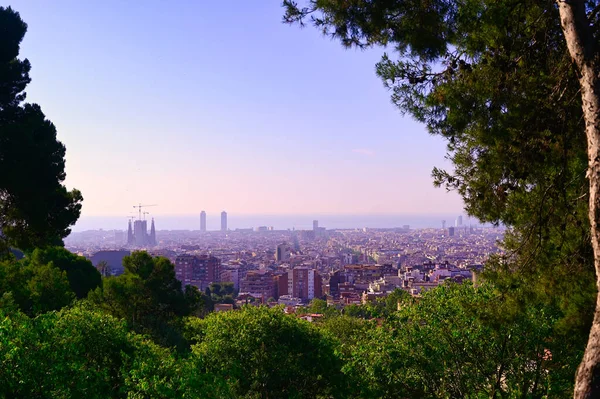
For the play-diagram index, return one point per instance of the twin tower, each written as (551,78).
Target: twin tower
(203,221)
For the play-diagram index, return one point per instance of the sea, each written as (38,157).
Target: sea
(278,222)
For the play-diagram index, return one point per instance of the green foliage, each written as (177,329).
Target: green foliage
(263,352)
(495,80)
(82,275)
(48,289)
(461,341)
(47,280)
(220,293)
(455,341)
(381,307)
(36,209)
(349,331)
(319,306)
(221,289)
(149,297)
(80,353)
(199,303)
(36,287)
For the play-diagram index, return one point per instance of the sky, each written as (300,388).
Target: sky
(210,105)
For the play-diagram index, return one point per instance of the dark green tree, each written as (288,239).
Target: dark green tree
(220,293)
(349,331)
(48,288)
(513,86)
(36,209)
(265,353)
(149,297)
(200,305)
(80,352)
(319,306)
(82,275)
(36,287)
(458,341)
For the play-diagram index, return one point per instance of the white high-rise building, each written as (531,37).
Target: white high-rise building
(202,221)
(223,221)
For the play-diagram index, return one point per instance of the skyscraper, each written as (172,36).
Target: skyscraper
(459,221)
(315,226)
(202,221)
(223,221)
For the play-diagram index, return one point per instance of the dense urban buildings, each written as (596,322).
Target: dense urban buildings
(198,270)
(259,283)
(345,266)
(304,283)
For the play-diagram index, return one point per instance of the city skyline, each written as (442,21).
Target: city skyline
(181,95)
(278,222)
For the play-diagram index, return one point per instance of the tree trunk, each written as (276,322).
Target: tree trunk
(582,49)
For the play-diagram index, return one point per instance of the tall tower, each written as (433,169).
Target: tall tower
(223,221)
(315,226)
(443,224)
(152,234)
(130,239)
(203,221)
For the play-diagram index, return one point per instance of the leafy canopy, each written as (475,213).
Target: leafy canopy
(495,80)
(149,297)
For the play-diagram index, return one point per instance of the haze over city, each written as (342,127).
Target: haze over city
(236,199)
(193,107)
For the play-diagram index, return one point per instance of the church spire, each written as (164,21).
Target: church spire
(130,240)
(152,233)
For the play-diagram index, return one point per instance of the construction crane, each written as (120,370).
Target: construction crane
(145,213)
(139,207)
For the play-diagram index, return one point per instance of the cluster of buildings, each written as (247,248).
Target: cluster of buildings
(344,266)
(355,284)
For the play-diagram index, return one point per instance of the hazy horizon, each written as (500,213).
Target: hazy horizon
(278,221)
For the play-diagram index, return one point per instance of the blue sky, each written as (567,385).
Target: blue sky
(218,105)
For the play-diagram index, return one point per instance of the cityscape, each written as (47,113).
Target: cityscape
(335,199)
(292,267)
